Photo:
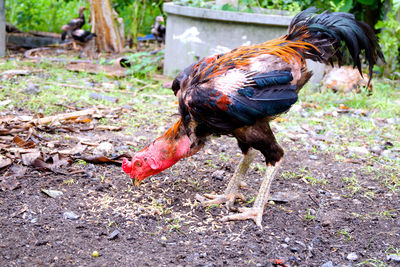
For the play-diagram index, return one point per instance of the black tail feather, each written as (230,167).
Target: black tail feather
(331,34)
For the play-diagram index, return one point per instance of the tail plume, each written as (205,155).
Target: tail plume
(331,33)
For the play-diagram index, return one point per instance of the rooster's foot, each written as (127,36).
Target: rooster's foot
(228,199)
(254,214)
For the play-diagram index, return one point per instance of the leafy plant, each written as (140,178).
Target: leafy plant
(389,38)
(43,15)
(143,64)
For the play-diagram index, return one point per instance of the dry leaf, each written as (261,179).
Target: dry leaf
(4,162)
(108,128)
(79,148)
(29,158)
(10,183)
(23,144)
(343,106)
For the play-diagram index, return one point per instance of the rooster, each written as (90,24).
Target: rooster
(239,92)
(73,25)
(158,30)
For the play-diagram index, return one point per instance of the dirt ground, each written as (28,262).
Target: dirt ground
(162,224)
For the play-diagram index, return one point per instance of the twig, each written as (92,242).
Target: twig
(64,116)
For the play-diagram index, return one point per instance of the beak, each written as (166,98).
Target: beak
(137,182)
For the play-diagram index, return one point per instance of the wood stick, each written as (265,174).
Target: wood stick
(64,116)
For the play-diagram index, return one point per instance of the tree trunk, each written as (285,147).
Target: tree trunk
(2,29)
(103,25)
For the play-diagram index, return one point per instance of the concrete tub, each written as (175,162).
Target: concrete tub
(193,33)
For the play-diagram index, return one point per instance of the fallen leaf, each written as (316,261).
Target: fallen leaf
(343,106)
(108,128)
(279,119)
(10,183)
(29,158)
(99,159)
(4,162)
(79,148)
(23,144)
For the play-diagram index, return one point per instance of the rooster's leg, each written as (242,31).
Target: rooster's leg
(231,192)
(256,212)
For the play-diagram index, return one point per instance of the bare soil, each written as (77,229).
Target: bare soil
(161,223)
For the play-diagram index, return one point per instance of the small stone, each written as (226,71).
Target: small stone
(113,235)
(376,150)
(287,239)
(328,264)
(393,257)
(313,157)
(203,255)
(219,175)
(104,148)
(41,243)
(352,256)
(284,245)
(34,220)
(70,215)
(52,193)
(327,223)
(95,253)
(391,121)
(357,202)
(388,154)
(163,238)
(358,150)
(32,89)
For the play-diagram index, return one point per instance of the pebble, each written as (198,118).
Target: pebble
(393,257)
(313,157)
(34,220)
(113,235)
(287,239)
(359,150)
(328,264)
(70,215)
(376,149)
(327,223)
(104,148)
(52,193)
(219,175)
(32,89)
(352,256)
(284,245)
(357,202)
(388,154)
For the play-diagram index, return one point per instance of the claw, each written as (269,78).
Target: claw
(246,214)
(228,199)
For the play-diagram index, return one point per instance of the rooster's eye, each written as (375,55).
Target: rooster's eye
(138,163)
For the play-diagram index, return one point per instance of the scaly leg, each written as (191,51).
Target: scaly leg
(231,192)
(256,212)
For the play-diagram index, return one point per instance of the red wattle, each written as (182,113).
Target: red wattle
(126,165)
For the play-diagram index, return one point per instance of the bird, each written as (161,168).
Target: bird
(238,93)
(74,24)
(82,36)
(158,30)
